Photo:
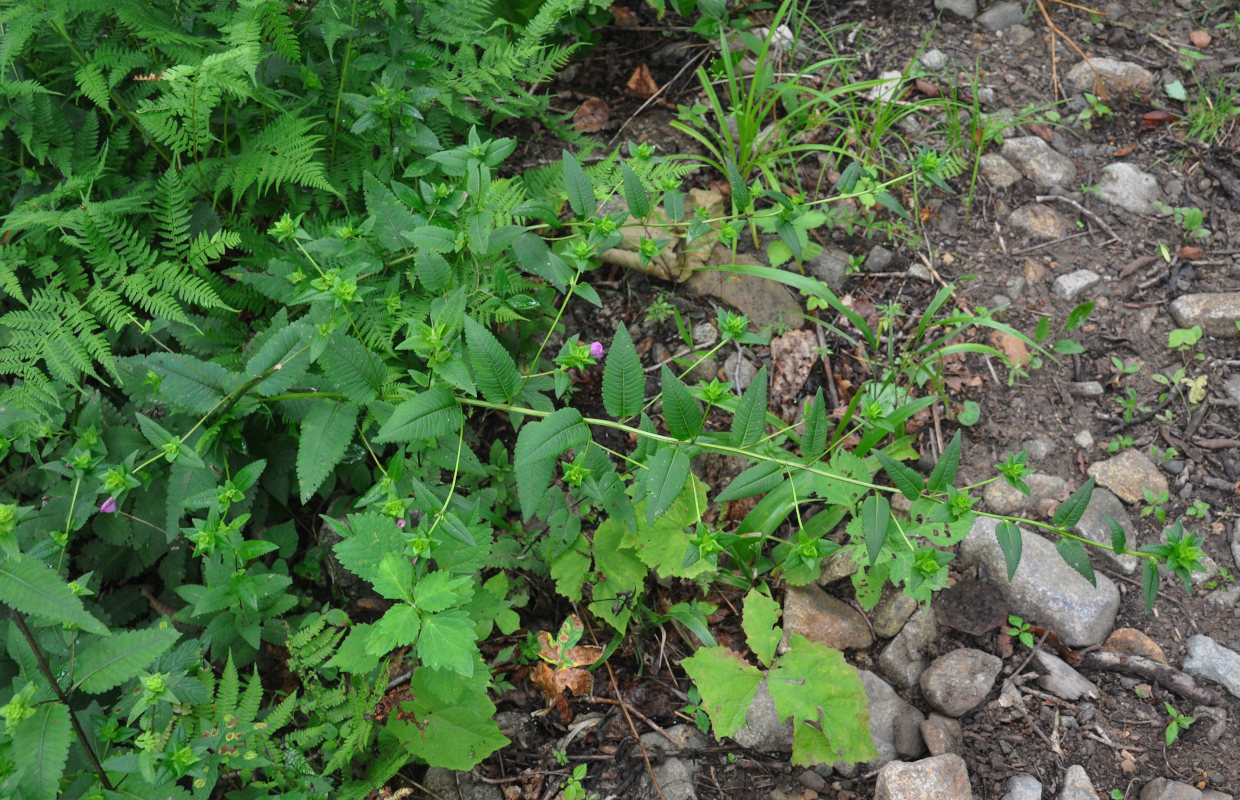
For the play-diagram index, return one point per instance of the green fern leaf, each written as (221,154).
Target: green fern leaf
(107,663)
(624,382)
(31,587)
(42,740)
(282,714)
(227,692)
(325,434)
(496,372)
(251,698)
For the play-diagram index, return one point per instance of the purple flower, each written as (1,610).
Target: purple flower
(400,523)
(108,506)
(596,349)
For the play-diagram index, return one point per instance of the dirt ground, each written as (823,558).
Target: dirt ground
(1130,322)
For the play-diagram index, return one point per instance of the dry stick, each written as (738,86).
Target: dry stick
(1051,243)
(1042,198)
(1163,674)
(655,96)
(1055,31)
(653,725)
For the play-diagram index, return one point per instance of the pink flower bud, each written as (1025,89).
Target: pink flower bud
(108,506)
(596,349)
(400,523)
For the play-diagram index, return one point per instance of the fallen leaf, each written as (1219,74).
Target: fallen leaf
(641,84)
(1157,118)
(793,356)
(1043,131)
(1123,151)
(623,17)
(1190,253)
(1200,39)
(1011,347)
(927,87)
(591,116)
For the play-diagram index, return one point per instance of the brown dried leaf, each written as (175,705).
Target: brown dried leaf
(641,84)
(1190,253)
(793,356)
(1200,39)
(591,116)
(622,17)
(927,87)
(1013,348)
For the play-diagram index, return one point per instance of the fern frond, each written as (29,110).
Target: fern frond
(284,152)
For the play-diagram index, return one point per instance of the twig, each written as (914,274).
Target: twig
(1042,198)
(1031,248)
(1164,675)
(653,725)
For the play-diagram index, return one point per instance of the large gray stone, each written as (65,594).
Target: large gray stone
(1210,660)
(819,617)
(1023,787)
(998,171)
(763,729)
(903,661)
(1217,313)
(1127,186)
(676,775)
(1071,286)
(886,707)
(1093,525)
(958,682)
(1076,785)
(1038,162)
(942,777)
(1129,474)
(1107,77)
(961,8)
(1001,15)
(459,785)
(1165,789)
(1045,590)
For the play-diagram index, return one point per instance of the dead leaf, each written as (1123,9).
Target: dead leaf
(1190,253)
(1156,118)
(1011,347)
(622,17)
(641,84)
(591,116)
(1123,151)
(793,356)
(1040,130)
(1200,39)
(928,87)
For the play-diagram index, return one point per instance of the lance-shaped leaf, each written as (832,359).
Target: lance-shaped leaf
(1074,553)
(1071,510)
(663,480)
(326,432)
(538,446)
(944,471)
(903,477)
(31,587)
(680,409)
(875,514)
(749,419)
(577,184)
(761,477)
(107,663)
(496,372)
(1011,543)
(817,431)
(634,193)
(431,414)
(624,382)
(41,741)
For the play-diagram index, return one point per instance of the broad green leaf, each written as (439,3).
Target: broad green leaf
(1071,510)
(1011,543)
(664,479)
(624,382)
(496,372)
(191,384)
(365,540)
(535,257)
(875,514)
(1078,315)
(817,431)
(326,432)
(1119,537)
(391,216)
(1149,584)
(1074,553)
(571,568)
(661,545)
(741,196)
(440,591)
(727,684)
(1068,347)
(759,620)
(761,477)
(577,184)
(433,238)
(749,419)
(634,193)
(970,413)
(431,414)
(538,446)
(680,410)
(41,741)
(393,576)
(398,627)
(674,203)
(623,573)
(31,587)
(447,642)
(283,358)
(354,371)
(107,663)
(456,735)
(814,684)
(903,477)
(944,471)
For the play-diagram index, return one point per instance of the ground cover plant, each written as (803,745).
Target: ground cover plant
(278,333)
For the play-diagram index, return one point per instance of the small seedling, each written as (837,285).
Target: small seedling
(1095,109)
(660,310)
(1183,339)
(1179,722)
(695,710)
(1119,443)
(1021,630)
(1199,509)
(1155,504)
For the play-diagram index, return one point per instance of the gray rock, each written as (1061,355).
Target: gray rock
(1224,598)
(739,370)
(1069,287)
(830,267)
(819,617)
(1129,474)
(998,171)
(1039,448)
(1109,77)
(942,777)
(1001,15)
(903,661)
(1085,389)
(1216,313)
(675,774)
(878,259)
(1235,544)
(1232,387)
(961,8)
(1209,660)
(1038,162)
(1061,680)
(958,682)
(1076,785)
(812,780)
(442,782)
(704,335)
(836,567)
(942,734)
(933,60)
(1164,789)
(1023,787)
(1045,590)
(1094,526)
(1084,439)
(763,729)
(1214,794)
(1002,498)
(1040,221)
(1127,186)
(1019,34)
(907,735)
(892,612)
(885,708)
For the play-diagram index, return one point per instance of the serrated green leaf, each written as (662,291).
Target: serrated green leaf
(759,619)
(535,257)
(391,216)
(1119,537)
(681,411)
(944,471)
(727,684)
(634,193)
(398,627)
(538,446)
(674,205)
(496,372)
(154,433)
(286,355)
(431,414)
(107,663)
(905,478)
(191,384)
(41,741)
(1071,510)
(624,382)
(365,539)
(1073,552)
(440,591)
(749,419)
(1011,543)
(1149,584)
(817,431)
(447,642)
(354,371)
(326,432)
(577,184)
(33,588)
(662,545)
(826,699)
(741,196)
(875,514)
(453,735)
(761,477)
(664,479)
